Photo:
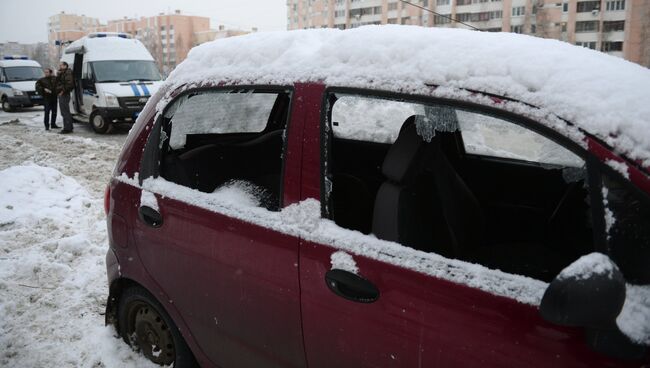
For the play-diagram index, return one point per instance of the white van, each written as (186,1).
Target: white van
(114,77)
(18,77)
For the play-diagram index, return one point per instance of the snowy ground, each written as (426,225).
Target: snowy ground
(52,246)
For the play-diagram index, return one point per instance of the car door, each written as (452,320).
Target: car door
(235,284)
(373,303)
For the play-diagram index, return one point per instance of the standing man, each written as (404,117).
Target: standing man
(65,85)
(46,87)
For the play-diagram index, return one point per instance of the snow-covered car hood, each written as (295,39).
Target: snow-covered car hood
(601,94)
(27,86)
(130,89)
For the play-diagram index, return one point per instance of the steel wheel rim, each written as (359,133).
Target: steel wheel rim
(5,105)
(98,121)
(149,332)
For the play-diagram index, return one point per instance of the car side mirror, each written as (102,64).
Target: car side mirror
(588,293)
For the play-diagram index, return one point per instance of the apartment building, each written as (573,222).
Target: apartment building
(169,37)
(34,51)
(617,27)
(63,28)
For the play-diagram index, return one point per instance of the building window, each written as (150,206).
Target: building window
(612,46)
(587,6)
(565,7)
(613,26)
(589,45)
(587,26)
(518,11)
(437,19)
(463,2)
(339,13)
(533,28)
(498,14)
(517,29)
(393,6)
(615,5)
(441,2)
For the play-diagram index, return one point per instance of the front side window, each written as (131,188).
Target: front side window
(627,212)
(457,182)
(226,141)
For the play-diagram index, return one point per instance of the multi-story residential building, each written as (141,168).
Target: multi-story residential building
(169,37)
(221,32)
(618,27)
(64,28)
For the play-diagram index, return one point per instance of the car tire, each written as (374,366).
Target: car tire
(145,326)
(99,123)
(6,107)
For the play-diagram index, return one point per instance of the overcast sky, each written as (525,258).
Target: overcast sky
(25,21)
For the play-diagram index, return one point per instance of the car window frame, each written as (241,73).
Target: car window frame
(152,153)
(593,164)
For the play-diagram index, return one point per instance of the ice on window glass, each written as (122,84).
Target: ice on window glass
(489,136)
(218,113)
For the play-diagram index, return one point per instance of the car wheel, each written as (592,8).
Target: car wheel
(99,124)
(144,324)
(6,107)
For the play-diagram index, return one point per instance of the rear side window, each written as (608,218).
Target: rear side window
(227,142)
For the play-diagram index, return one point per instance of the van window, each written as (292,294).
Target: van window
(112,71)
(23,73)
(218,139)
(399,170)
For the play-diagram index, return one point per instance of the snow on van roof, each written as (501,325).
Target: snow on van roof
(108,48)
(604,95)
(19,62)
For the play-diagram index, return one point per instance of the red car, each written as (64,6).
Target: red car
(386,197)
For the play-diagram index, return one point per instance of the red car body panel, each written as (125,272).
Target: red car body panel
(246,296)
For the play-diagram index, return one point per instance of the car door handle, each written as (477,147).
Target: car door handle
(351,286)
(150,216)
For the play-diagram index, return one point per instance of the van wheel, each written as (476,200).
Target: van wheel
(6,107)
(99,124)
(144,324)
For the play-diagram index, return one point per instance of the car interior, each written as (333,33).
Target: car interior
(208,161)
(517,216)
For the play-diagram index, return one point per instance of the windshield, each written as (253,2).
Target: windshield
(125,71)
(23,73)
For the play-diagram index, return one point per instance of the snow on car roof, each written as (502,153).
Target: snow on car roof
(605,96)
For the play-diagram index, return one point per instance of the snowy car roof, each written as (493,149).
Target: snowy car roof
(603,95)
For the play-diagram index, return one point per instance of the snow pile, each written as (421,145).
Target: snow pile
(52,274)
(602,94)
(343,261)
(588,265)
(634,319)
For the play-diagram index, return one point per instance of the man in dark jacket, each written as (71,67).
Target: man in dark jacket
(46,87)
(65,85)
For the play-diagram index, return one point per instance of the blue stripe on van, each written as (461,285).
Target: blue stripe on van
(145,89)
(135,89)
(5,85)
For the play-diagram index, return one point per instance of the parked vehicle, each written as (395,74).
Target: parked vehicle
(18,76)
(114,77)
(386,197)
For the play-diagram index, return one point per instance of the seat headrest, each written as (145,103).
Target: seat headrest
(403,156)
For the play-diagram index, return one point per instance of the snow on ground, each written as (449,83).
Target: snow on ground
(52,247)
